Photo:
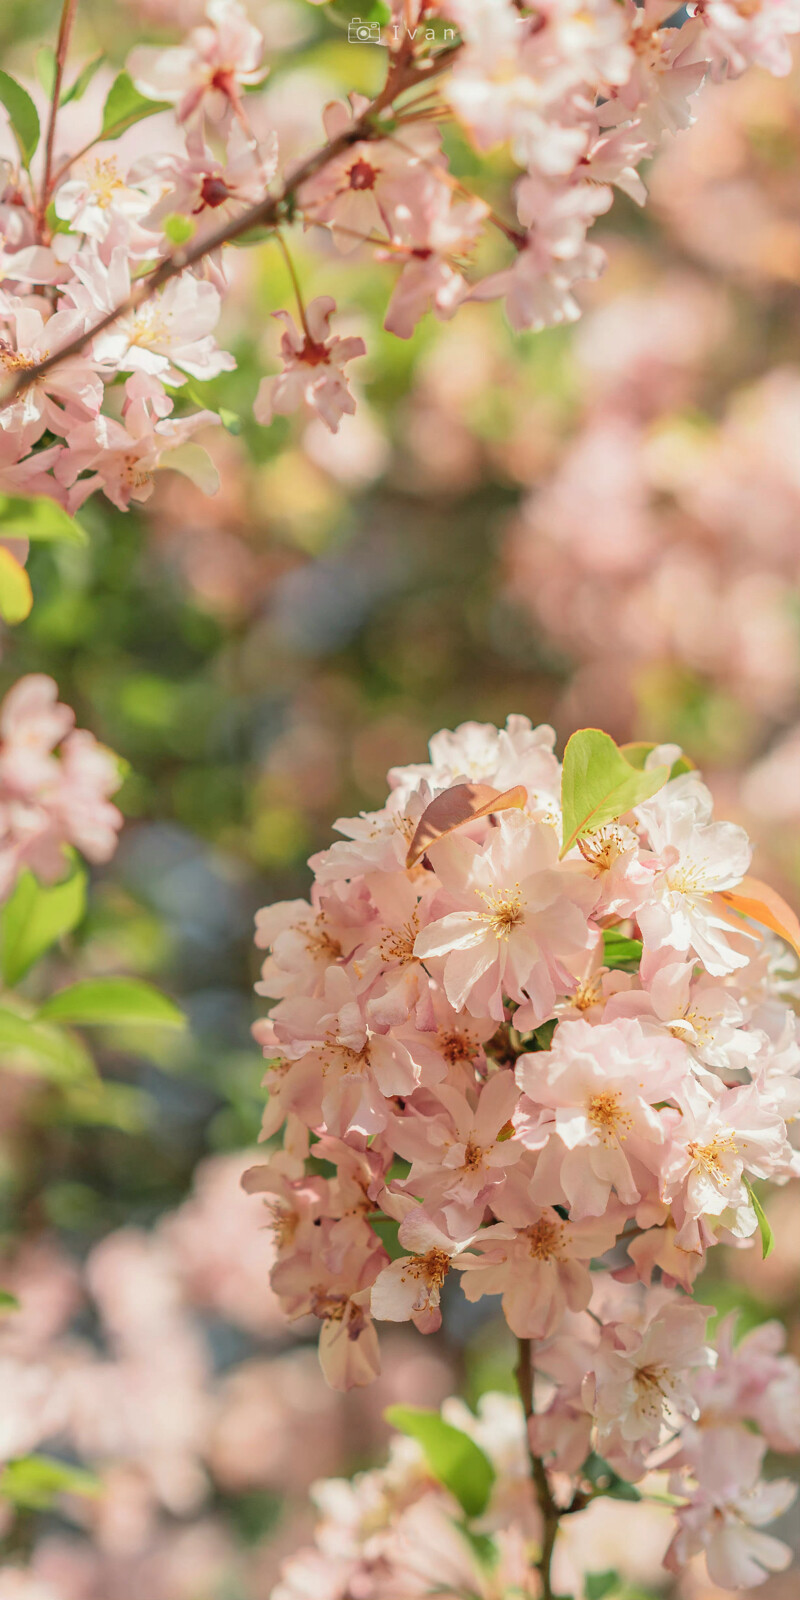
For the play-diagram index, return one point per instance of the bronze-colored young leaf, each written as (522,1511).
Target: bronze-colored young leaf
(455,807)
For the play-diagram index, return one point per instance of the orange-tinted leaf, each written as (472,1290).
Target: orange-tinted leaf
(755,899)
(465,802)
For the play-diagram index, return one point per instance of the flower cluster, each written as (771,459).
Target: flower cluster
(530,1020)
(55,786)
(395,1531)
(113,272)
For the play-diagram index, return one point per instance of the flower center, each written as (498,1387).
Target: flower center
(695,1028)
(586,995)
(710,1158)
(344,1057)
(432,1268)
(214,190)
(362,174)
(328,1307)
(457,1046)
(105,183)
(606,1115)
(14,360)
(504,910)
(605,846)
(650,1382)
(473,1156)
(687,878)
(397,944)
(282,1223)
(319,942)
(545,1239)
(314,354)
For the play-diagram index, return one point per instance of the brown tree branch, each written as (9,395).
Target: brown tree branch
(550,1511)
(68,11)
(266,213)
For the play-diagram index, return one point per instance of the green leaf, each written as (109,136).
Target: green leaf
(598,785)
(39,519)
(22,114)
(231,421)
(386,1229)
(126,106)
(178,228)
(606,1481)
(34,917)
(32,1482)
(46,68)
(112,1001)
(767,1236)
(638,750)
(619,951)
(341,12)
(454,1459)
(543,1035)
(600,1584)
(84,78)
(35,1046)
(8,1301)
(99,1103)
(16,594)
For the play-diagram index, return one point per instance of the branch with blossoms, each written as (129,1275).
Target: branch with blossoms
(533,1032)
(114,275)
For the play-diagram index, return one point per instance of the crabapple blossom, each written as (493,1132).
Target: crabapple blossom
(553,1076)
(313,374)
(117,266)
(55,784)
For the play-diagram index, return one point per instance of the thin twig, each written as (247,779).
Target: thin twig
(266,213)
(68,11)
(549,1509)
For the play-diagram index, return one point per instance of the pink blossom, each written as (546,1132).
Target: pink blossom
(219,57)
(542,1270)
(313,374)
(384,184)
(508,919)
(54,785)
(727,1512)
(590,1108)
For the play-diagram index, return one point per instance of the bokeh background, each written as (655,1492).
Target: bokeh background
(592,525)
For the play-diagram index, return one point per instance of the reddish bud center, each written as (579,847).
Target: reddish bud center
(214,190)
(362,174)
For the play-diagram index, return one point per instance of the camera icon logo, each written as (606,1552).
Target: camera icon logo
(359,32)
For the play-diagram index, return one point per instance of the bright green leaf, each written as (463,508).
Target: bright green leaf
(8,1301)
(178,228)
(46,68)
(606,1481)
(598,784)
(767,1236)
(543,1035)
(100,1103)
(638,750)
(600,1584)
(110,1002)
(126,106)
(16,594)
(386,1229)
(619,951)
(34,917)
(31,1045)
(454,1459)
(39,519)
(22,115)
(32,1482)
(231,421)
(84,78)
